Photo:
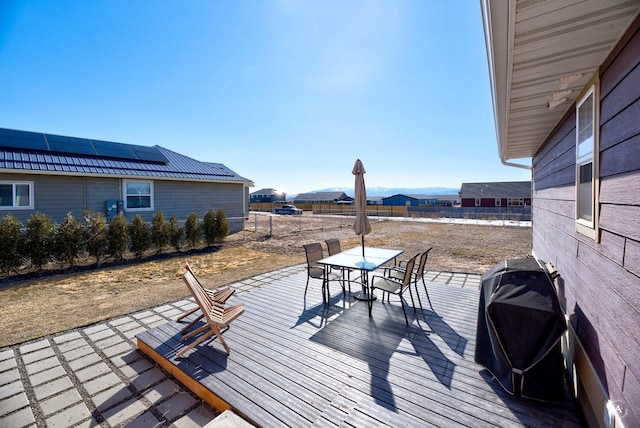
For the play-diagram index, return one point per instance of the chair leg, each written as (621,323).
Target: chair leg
(306,286)
(195,342)
(184,329)
(186,314)
(413,303)
(403,310)
(426,291)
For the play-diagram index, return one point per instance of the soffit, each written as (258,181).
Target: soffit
(541,55)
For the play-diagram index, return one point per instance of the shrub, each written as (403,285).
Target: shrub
(39,239)
(117,237)
(95,234)
(221,229)
(11,244)
(192,229)
(160,232)
(139,236)
(175,232)
(68,240)
(209,227)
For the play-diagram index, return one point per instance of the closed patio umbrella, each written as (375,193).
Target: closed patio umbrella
(361,225)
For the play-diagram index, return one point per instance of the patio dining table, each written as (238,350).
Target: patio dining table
(365,259)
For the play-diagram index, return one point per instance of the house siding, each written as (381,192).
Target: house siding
(58,195)
(600,281)
(183,198)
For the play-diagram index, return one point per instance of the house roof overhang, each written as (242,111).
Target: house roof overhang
(541,54)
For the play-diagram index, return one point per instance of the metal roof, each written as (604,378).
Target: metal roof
(541,54)
(174,166)
(507,189)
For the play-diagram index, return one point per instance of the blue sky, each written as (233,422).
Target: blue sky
(286,93)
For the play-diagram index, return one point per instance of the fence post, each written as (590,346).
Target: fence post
(255,223)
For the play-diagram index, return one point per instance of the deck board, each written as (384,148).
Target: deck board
(296,362)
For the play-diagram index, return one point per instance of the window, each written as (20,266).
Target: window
(478,202)
(586,161)
(515,202)
(16,195)
(138,195)
(498,202)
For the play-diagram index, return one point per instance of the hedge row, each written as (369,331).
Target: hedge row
(42,241)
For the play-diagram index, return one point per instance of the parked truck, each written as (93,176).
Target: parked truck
(288,210)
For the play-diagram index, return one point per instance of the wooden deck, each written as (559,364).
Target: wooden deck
(298,364)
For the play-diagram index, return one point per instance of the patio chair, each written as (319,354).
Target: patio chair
(391,285)
(418,273)
(218,317)
(315,270)
(219,295)
(333,248)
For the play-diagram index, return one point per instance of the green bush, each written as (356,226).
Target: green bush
(192,229)
(209,227)
(175,232)
(221,225)
(95,234)
(139,236)
(117,237)
(160,232)
(68,240)
(39,239)
(12,243)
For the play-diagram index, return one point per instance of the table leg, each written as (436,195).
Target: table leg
(365,294)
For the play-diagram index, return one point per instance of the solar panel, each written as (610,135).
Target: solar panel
(25,140)
(150,154)
(22,140)
(78,146)
(113,150)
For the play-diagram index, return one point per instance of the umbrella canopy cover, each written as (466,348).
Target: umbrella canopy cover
(361,225)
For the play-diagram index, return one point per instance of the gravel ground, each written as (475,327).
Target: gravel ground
(458,246)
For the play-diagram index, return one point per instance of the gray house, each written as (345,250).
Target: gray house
(321,198)
(496,194)
(565,78)
(267,195)
(55,175)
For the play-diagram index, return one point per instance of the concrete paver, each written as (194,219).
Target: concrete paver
(95,376)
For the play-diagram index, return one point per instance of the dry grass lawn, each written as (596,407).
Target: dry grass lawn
(52,303)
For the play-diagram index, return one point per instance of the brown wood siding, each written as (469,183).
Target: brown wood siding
(600,280)
(555,164)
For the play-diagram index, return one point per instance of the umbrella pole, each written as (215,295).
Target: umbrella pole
(362,246)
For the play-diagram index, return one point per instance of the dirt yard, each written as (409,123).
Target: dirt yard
(52,302)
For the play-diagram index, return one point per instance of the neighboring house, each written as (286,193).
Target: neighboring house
(419,200)
(267,195)
(321,198)
(54,175)
(409,200)
(498,194)
(374,200)
(565,81)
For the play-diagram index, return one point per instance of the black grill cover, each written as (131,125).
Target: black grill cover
(520,324)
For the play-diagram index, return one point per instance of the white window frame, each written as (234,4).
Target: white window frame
(498,202)
(14,205)
(478,202)
(125,195)
(584,226)
(519,202)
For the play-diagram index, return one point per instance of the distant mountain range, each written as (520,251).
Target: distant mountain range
(390,191)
